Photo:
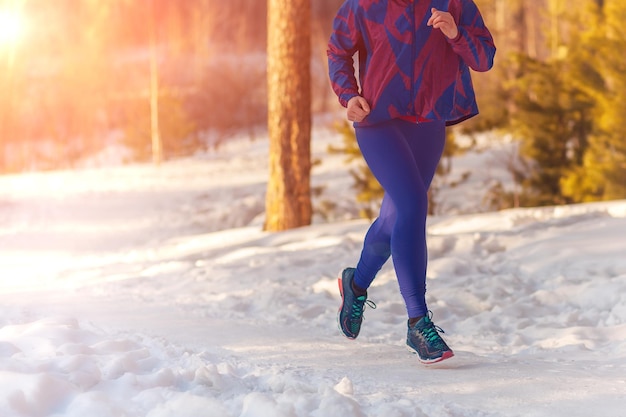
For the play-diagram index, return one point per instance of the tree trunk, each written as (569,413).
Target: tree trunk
(157,144)
(288,199)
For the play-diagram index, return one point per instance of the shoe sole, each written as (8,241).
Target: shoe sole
(446,355)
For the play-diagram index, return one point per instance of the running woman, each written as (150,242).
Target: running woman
(414,61)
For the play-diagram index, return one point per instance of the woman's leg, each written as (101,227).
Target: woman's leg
(377,245)
(403,157)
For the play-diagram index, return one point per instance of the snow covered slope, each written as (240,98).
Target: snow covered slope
(143,291)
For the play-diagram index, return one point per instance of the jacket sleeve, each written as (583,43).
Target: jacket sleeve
(344,42)
(474,43)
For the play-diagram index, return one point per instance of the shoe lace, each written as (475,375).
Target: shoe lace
(358,306)
(431,331)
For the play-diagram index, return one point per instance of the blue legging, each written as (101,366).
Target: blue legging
(403,156)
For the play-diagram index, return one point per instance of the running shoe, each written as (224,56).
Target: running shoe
(423,338)
(350,315)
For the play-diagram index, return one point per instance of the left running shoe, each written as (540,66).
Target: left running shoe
(423,338)
(350,315)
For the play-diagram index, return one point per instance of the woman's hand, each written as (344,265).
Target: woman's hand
(358,109)
(445,22)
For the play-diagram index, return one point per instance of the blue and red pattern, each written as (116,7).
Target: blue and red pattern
(408,69)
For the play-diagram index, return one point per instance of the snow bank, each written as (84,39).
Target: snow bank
(143,291)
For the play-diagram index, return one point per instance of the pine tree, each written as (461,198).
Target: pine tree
(602,174)
(288,199)
(553,116)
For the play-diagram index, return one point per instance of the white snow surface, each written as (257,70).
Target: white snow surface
(152,291)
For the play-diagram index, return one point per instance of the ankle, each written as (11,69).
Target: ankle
(358,291)
(414,320)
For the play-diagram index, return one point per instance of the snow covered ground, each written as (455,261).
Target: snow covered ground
(143,291)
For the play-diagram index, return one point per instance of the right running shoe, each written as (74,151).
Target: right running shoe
(424,339)
(350,315)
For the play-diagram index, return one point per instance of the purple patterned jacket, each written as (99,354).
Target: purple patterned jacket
(408,69)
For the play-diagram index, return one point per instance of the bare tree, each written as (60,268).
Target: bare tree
(157,144)
(288,199)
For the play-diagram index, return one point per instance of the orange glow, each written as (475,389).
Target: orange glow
(11,27)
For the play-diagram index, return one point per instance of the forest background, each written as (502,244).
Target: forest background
(76,78)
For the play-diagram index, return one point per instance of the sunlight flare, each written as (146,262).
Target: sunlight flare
(12,26)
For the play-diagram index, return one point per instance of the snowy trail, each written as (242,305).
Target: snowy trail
(276,355)
(290,364)
(120,296)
